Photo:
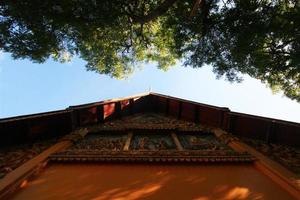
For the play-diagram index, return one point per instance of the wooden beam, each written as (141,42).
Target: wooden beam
(167,106)
(100,113)
(221,118)
(195,8)
(28,126)
(230,124)
(74,119)
(177,142)
(128,141)
(118,110)
(179,109)
(196,114)
(269,133)
(131,106)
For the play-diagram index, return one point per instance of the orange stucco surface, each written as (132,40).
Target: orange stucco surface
(129,182)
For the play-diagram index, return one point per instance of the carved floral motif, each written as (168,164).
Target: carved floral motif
(152,142)
(151,156)
(149,121)
(14,156)
(286,155)
(201,141)
(150,138)
(149,147)
(114,142)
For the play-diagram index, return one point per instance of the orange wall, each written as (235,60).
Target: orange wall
(129,182)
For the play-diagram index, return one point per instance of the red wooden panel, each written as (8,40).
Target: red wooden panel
(250,127)
(209,116)
(225,119)
(162,104)
(125,107)
(47,126)
(138,105)
(173,108)
(37,126)
(286,134)
(88,115)
(109,109)
(124,104)
(188,111)
(13,132)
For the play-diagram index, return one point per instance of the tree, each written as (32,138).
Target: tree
(260,38)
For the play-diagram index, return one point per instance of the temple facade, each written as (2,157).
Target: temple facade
(149,146)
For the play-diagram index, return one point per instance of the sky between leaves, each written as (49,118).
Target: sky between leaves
(27,88)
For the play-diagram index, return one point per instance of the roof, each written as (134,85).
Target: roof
(150,128)
(26,128)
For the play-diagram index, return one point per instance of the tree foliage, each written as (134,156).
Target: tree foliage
(260,38)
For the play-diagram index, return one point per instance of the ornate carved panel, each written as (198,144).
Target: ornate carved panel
(149,121)
(152,142)
(150,138)
(14,156)
(285,155)
(201,141)
(101,142)
(151,156)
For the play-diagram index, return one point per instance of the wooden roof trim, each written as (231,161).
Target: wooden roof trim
(88,105)
(71,108)
(189,101)
(273,120)
(280,121)
(32,116)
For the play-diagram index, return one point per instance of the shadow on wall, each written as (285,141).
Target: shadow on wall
(131,182)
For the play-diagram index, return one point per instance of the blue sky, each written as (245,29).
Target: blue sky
(27,88)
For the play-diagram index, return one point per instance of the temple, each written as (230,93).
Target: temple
(148,146)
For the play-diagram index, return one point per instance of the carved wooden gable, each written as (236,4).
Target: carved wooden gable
(150,138)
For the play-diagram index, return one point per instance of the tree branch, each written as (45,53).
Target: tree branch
(197,5)
(160,10)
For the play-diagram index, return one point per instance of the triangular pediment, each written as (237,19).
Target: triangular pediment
(146,128)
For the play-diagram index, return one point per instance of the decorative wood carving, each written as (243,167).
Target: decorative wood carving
(203,141)
(287,156)
(13,157)
(148,122)
(151,139)
(153,142)
(101,142)
(151,156)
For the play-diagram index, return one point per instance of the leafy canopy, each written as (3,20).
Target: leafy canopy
(260,38)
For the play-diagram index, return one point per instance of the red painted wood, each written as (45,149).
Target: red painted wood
(125,107)
(88,115)
(109,109)
(188,111)
(173,108)
(209,116)
(21,129)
